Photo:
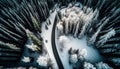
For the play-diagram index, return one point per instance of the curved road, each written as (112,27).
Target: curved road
(55,52)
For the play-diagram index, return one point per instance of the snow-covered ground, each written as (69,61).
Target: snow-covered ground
(46,35)
(64,43)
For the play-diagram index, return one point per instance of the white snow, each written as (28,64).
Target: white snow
(73,58)
(63,39)
(105,37)
(60,27)
(26,59)
(32,47)
(88,66)
(88,52)
(43,60)
(83,52)
(46,35)
(102,65)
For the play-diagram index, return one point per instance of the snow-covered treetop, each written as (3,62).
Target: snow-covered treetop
(59,26)
(88,66)
(102,65)
(106,36)
(63,39)
(83,52)
(43,61)
(26,59)
(73,58)
(32,47)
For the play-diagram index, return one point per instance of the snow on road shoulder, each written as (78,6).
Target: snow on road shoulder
(46,35)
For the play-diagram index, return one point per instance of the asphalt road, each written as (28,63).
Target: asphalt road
(55,52)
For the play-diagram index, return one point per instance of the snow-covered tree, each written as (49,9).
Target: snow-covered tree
(76,19)
(83,52)
(36,42)
(88,65)
(105,37)
(63,39)
(60,28)
(32,47)
(43,61)
(76,55)
(73,58)
(26,59)
(116,60)
(102,65)
(94,36)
